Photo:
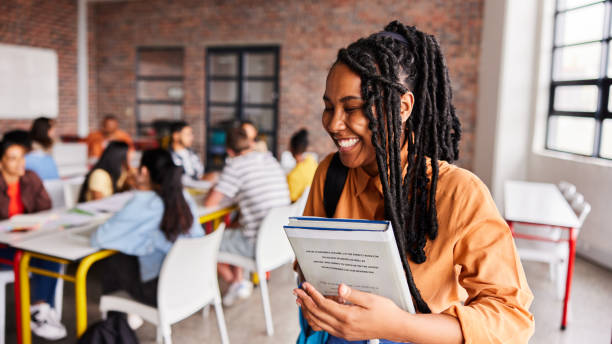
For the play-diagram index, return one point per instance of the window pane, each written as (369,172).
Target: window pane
(224,64)
(577,62)
(160,63)
(576,98)
(220,114)
(259,92)
(160,90)
(606,139)
(150,112)
(263,118)
(565,4)
(571,134)
(223,91)
(259,64)
(581,25)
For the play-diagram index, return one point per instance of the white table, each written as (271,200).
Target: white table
(542,204)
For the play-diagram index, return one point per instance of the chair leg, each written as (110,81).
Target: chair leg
(561,268)
(59,292)
(159,337)
(221,321)
(206,311)
(3,311)
(167,334)
(265,298)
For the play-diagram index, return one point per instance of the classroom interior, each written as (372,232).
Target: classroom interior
(531,86)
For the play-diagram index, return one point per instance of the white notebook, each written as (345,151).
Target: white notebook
(359,253)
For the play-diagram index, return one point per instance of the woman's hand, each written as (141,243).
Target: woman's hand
(368,316)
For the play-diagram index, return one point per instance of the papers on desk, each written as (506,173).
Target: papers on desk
(66,218)
(200,185)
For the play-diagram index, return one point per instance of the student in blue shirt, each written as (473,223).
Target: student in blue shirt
(145,229)
(39,159)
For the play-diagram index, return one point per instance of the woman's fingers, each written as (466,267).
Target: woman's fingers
(307,302)
(334,309)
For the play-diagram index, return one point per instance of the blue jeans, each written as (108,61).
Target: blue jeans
(43,287)
(336,340)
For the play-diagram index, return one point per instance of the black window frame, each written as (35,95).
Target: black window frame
(141,126)
(602,83)
(240,105)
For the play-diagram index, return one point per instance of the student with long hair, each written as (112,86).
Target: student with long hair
(145,229)
(108,175)
(388,109)
(39,159)
(22,192)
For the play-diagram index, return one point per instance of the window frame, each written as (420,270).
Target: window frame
(602,82)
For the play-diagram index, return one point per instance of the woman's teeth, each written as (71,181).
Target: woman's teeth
(347,142)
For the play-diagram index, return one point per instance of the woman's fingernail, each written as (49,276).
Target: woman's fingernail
(343,289)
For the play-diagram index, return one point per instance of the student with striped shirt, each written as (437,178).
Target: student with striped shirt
(256,181)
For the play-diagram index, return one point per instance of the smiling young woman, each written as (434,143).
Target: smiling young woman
(388,109)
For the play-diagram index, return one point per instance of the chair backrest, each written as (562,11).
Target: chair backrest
(576,198)
(188,277)
(273,248)
(287,161)
(55,189)
(582,209)
(72,187)
(563,186)
(569,193)
(300,204)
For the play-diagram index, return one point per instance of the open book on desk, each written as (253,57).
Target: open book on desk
(359,253)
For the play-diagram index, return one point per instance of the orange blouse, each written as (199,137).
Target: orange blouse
(472,271)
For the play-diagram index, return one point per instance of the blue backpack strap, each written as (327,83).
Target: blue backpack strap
(334,183)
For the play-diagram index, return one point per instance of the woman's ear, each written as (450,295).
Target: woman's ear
(407,102)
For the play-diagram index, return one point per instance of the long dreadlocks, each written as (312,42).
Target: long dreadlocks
(391,63)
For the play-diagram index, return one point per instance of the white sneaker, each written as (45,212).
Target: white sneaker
(135,321)
(245,290)
(231,294)
(44,322)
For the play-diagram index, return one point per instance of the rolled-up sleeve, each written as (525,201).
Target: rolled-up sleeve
(497,307)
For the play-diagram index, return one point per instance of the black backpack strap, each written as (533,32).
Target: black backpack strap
(334,183)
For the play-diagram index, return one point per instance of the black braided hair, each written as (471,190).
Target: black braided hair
(390,65)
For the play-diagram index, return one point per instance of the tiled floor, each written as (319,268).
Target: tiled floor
(591,320)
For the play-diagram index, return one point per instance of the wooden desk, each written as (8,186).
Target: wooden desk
(542,204)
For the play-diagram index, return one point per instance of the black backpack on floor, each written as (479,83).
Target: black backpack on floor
(113,330)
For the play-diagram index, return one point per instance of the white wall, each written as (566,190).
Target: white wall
(512,111)
(505,89)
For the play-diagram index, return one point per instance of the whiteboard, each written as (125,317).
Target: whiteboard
(28,82)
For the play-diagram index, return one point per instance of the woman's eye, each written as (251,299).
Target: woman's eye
(351,110)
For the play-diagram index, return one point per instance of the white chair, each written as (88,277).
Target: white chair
(272,251)
(556,254)
(55,189)
(6,277)
(72,187)
(187,283)
(300,204)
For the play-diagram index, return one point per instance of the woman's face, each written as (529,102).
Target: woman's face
(345,121)
(13,161)
(51,132)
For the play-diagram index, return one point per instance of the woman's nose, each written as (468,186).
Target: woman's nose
(337,121)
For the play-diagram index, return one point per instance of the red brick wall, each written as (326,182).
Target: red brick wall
(51,25)
(309,33)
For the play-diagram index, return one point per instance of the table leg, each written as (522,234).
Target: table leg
(570,272)
(24,287)
(80,288)
(16,261)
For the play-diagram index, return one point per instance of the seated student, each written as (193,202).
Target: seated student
(301,176)
(144,230)
(252,133)
(109,174)
(39,159)
(22,192)
(182,154)
(257,182)
(98,140)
